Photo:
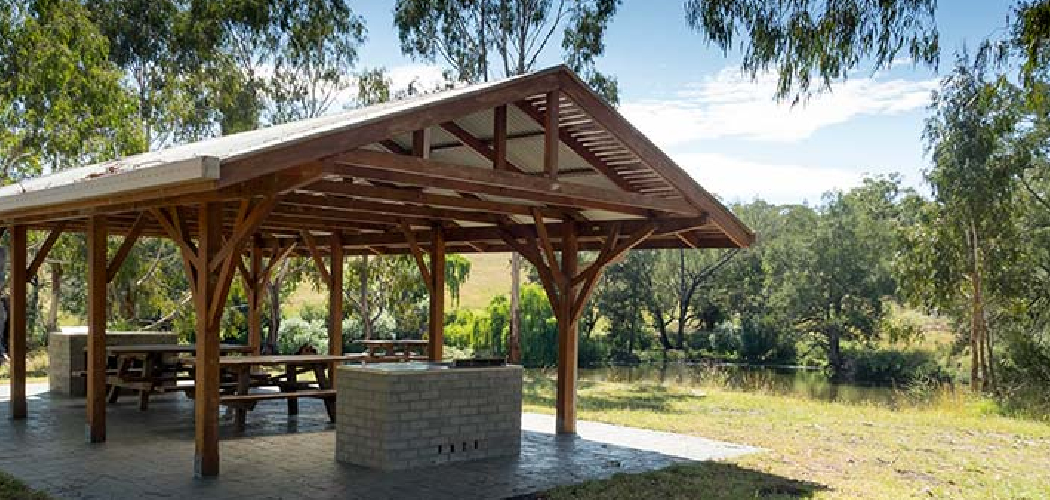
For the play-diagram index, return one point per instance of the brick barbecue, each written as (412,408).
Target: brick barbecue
(65,351)
(407,415)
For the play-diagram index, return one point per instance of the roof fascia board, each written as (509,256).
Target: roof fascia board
(152,177)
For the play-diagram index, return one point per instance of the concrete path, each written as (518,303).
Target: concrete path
(150,455)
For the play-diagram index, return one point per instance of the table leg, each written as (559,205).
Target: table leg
(325,382)
(293,383)
(148,365)
(123,363)
(243,386)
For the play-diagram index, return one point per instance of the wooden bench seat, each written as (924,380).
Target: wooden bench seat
(395,358)
(109,371)
(246,402)
(266,396)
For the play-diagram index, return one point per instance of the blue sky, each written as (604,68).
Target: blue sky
(726,130)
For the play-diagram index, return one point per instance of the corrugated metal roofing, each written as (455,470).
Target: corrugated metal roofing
(234,146)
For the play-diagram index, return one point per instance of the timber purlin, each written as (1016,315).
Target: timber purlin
(537,164)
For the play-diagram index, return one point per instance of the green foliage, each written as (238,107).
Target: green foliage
(13,489)
(762,342)
(297,332)
(811,43)
(61,101)
(539,328)
(837,290)
(1031,37)
(473,37)
(457,270)
(892,366)
(465,328)
(584,41)
(621,299)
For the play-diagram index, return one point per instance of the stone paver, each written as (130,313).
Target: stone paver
(150,455)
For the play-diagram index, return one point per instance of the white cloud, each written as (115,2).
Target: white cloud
(735,179)
(425,76)
(731,105)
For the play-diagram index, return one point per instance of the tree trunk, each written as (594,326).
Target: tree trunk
(56,296)
(366,316)
(661,327)
(989,357)
(835,355)
(274,289)
(978,360)
(514,346)
(683,301)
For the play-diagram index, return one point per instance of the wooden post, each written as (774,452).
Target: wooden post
(206,402)
(18,322)
(335,297)
(421,143)
(254,297)
(550,137)
(97,239)
(436,324)
(568,347)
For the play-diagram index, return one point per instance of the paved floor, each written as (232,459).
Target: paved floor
(150,455)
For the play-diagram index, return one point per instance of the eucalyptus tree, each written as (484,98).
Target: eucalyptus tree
(61,100)
(314,50)
(811,43)
(480,39)
(956,254)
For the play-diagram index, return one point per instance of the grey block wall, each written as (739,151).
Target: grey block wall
(394,420)
(66,355)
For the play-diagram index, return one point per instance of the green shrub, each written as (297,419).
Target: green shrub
(593,352)
(762,342)
(313,312)
(1025,373)
(295,332)
(892,366)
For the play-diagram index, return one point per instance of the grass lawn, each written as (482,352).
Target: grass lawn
(13,489)
(956,448)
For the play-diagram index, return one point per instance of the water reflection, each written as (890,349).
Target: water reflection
(786,381)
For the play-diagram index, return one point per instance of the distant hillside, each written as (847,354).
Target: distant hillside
(489,277)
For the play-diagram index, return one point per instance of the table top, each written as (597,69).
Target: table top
(170,348)
(392,342)
(285,359)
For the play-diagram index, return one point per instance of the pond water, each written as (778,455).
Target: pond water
(781,381)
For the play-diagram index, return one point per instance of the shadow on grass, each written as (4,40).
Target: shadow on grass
(690,480)
(540,391)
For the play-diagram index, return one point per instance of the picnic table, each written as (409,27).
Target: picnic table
(149,368)
(242,399)
(396,350)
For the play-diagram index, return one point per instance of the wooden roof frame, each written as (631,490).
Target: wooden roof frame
(360,183)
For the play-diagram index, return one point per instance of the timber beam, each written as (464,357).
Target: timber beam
(44,250)
(424,172)
(588,231)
